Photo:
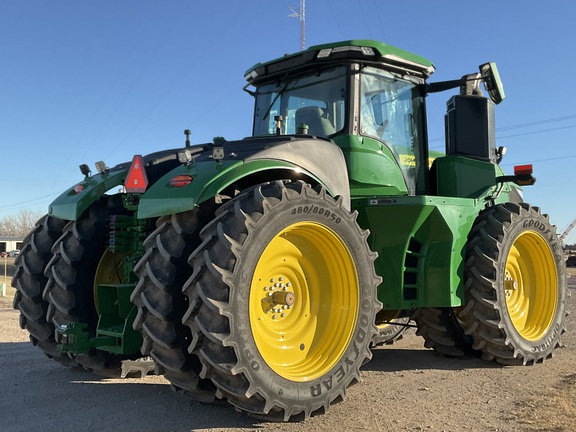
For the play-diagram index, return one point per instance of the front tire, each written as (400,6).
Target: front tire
(515,285)
(391,326)
(441,331)
(286,293)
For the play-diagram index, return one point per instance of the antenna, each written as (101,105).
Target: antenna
(567,231)
(301,14)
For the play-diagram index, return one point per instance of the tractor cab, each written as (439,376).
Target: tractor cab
(369,98)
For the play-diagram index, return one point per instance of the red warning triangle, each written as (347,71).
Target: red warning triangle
(136,182)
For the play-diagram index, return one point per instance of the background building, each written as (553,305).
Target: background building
(8,244)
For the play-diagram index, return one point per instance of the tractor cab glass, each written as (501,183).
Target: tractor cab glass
(391,111)
(316,99)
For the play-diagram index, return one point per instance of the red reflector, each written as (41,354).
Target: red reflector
(136,182)
(523,169)
(180,180)
(78,188)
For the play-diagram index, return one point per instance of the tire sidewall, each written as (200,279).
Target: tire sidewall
(535,222)
(309,207)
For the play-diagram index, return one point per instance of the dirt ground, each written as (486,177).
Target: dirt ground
(404,388)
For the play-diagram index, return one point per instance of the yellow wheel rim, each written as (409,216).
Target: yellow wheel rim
(109,271)
(531,285)
(304,301)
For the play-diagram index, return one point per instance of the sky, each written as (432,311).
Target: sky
(83,81)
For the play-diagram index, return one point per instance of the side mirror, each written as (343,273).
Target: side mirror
(492,83)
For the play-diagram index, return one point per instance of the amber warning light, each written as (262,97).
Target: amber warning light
(136,182)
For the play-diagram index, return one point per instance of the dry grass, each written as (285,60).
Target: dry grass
(6,302)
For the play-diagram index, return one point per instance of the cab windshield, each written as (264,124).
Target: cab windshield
(316,100)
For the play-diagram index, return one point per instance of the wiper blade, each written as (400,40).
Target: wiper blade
(280,93)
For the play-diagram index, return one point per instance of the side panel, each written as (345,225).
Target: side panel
(459,176)
(421,244)
(372,167)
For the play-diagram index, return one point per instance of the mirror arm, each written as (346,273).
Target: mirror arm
(443,85)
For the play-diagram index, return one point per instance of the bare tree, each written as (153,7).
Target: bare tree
(18,225)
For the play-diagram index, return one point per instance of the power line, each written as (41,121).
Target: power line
(535,132)
(535,123)
(541,160)
(30,200)
(368,27)
(525,125)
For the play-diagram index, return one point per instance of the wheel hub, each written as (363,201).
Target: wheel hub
(279,298)
(510,285)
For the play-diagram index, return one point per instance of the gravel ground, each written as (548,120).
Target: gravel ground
(404,388)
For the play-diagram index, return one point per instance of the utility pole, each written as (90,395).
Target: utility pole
(300,14)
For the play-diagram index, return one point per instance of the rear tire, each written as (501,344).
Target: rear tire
(29,281)
(161,303)
(284,294)
(69,291)
(515,285)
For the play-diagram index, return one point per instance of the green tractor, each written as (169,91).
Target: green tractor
(261,271)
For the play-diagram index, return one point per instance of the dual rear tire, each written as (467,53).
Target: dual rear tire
(55,282)
(281,302)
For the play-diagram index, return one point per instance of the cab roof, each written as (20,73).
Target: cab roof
(364,51)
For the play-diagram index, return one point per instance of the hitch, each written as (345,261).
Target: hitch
(114,332)
(74,338)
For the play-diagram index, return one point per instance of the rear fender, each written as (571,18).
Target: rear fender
(73,202)
(324,164)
